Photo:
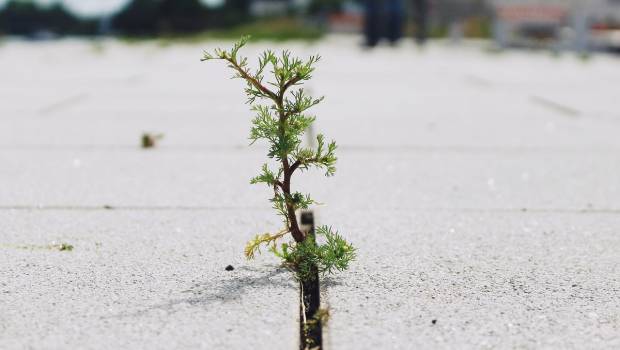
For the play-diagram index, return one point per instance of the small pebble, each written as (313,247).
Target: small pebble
(229,268)
(434,321)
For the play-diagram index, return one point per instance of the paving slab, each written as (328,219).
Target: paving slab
(141,280)
(514,122)
(219,178)
(415,98)
(477,280)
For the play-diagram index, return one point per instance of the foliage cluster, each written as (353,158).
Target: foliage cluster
(307,257)
(281,119)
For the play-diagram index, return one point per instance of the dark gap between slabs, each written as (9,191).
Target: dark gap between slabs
(310,327)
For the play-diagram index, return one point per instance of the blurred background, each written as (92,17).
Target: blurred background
(581,25)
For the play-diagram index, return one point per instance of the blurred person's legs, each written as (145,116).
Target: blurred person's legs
(455,31)
(420,8)
(394,9)
(372,21)
(581,27)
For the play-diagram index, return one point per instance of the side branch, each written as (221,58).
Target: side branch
(277,184)
(290,83)
(295,166)
(267,239)
(299,163)
(252,80)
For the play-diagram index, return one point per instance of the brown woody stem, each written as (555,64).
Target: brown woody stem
(285,185)
(296,232)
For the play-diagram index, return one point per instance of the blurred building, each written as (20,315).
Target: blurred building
(576,24)
(267,8)
(271,8)
(467,15)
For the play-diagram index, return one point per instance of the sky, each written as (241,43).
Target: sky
(89,8)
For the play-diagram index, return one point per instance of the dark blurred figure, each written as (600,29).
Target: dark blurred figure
(372,23)
(384,19)
(420,16)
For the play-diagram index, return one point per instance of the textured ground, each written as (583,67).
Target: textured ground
(481,189)
(140,279)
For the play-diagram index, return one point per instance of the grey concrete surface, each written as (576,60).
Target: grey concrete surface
(141,280)
(481,190)
(491,280)
(219,178)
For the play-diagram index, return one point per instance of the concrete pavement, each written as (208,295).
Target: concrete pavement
(481,190)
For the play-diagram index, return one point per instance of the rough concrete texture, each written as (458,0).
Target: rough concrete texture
(141,280)
(481,190)
(490,280)
(219,178)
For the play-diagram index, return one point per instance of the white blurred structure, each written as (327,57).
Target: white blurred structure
(578,24)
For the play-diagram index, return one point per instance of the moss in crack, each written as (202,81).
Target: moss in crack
(320,319)
(322,316)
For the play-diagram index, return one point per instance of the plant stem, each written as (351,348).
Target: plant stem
(298,235)
(278,98)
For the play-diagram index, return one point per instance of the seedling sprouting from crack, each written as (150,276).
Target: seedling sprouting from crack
(281,120)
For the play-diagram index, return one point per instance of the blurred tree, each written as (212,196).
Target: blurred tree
(2,23)
(151,17)
(139,17)
(232,13)
(323,7)
(58,20)
(23,17)
(182,16)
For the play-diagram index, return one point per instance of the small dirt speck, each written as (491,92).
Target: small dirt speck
(434,321)
(149,140)
(229,268)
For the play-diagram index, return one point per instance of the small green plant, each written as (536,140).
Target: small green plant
(281,120)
